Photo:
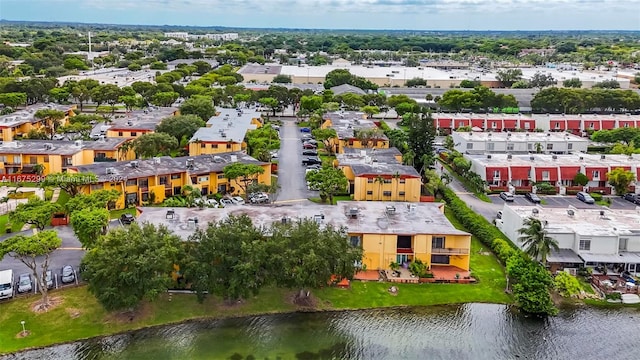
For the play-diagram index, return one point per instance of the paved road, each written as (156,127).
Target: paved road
(291,173)
(488,210)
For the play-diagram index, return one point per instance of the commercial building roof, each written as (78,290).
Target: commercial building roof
(27,115)
(366,217)
(598,221)
(58,147)
(165,165)
(579,159)
(228,125)
(272,69)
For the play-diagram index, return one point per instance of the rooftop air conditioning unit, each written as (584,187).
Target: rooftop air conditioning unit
(391,210)
(48,146)
(509,156)
(602,157)
(353,212)
(78,143)
(189,163)
(135,164)
(217,159)
(570,212)
(535,211)
(581,158)
(488,156)
(111,170)
(554,157)
(222,134)
(602,213)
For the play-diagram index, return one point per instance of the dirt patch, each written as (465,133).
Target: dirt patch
(305,302)
(23,334)
(38,307)
(141,312)
(73,312)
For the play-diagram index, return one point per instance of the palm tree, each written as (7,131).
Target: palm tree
(535,240)
(379,180)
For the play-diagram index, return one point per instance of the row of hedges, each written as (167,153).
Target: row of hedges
(531,281)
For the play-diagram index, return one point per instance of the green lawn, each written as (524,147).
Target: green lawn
(15,227)
(337,198)
(58,325)
(115,214)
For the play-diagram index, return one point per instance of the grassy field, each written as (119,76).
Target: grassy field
(15,227)
(115,214)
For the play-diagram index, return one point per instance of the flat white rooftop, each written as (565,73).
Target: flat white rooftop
(579,159)
(599,221)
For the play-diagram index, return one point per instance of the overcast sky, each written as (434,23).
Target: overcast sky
(340,14)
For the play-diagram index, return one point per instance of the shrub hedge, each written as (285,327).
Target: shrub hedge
(531,281)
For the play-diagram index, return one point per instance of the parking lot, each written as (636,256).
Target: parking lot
(557,201)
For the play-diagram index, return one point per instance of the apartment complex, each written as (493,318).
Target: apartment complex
(387,232)
(153,180)
(46,157)
(139,122)
(379,175)
(349,127)
(585,236)
(502,171)
(225,131)
(518,142)
(579,124)
(16,125)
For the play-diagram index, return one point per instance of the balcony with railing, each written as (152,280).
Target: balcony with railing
(450,251)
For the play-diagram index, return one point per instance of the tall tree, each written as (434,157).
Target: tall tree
(620,179)
(180,127)
(421,135)
(328,137)
(69,182)
(51,118)
(509,76)
(329,181)
(154,144)
(243,174)
(540,80)
(36,212)
(30,250)
(199,105)
(89,224)
(535,240)
(309,254)
(228,259)
(131,264)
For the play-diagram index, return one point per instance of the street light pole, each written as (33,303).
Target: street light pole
(24,331)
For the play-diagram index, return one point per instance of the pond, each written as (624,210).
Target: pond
(470,331)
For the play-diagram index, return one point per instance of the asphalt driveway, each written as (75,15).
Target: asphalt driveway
(291,172)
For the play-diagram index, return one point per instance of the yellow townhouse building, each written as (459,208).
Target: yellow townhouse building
(225,132)
(153,180)
(355,131)
(387,232)
(45,157)
(138,122)
(379,175)
(18,124)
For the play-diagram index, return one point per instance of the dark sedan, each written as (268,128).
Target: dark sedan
(533,198)
(631,197)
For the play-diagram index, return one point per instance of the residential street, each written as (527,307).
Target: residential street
(488,210)
(293,186)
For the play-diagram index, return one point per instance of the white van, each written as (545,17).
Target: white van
(6,284)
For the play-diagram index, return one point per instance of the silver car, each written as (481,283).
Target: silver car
(67,275)
(24,283)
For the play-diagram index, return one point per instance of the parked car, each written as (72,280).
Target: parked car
(306,137)
(533,198)
(310,141)
(48,279)
(311,161)
(309,146)
(507,196)
(585,197)
(67,275)
(305,130)
(499,214)
(259,198)
(226,202)
(24,283)
(238,200)
(631,197)
(204,202)
(310,153)
(314,167)
(127,219)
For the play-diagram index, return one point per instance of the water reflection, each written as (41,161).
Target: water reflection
(473,331)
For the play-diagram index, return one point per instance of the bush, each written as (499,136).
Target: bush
(613,296)
(596,196)
(566,284)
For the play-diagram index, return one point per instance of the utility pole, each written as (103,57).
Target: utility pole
(90,56)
